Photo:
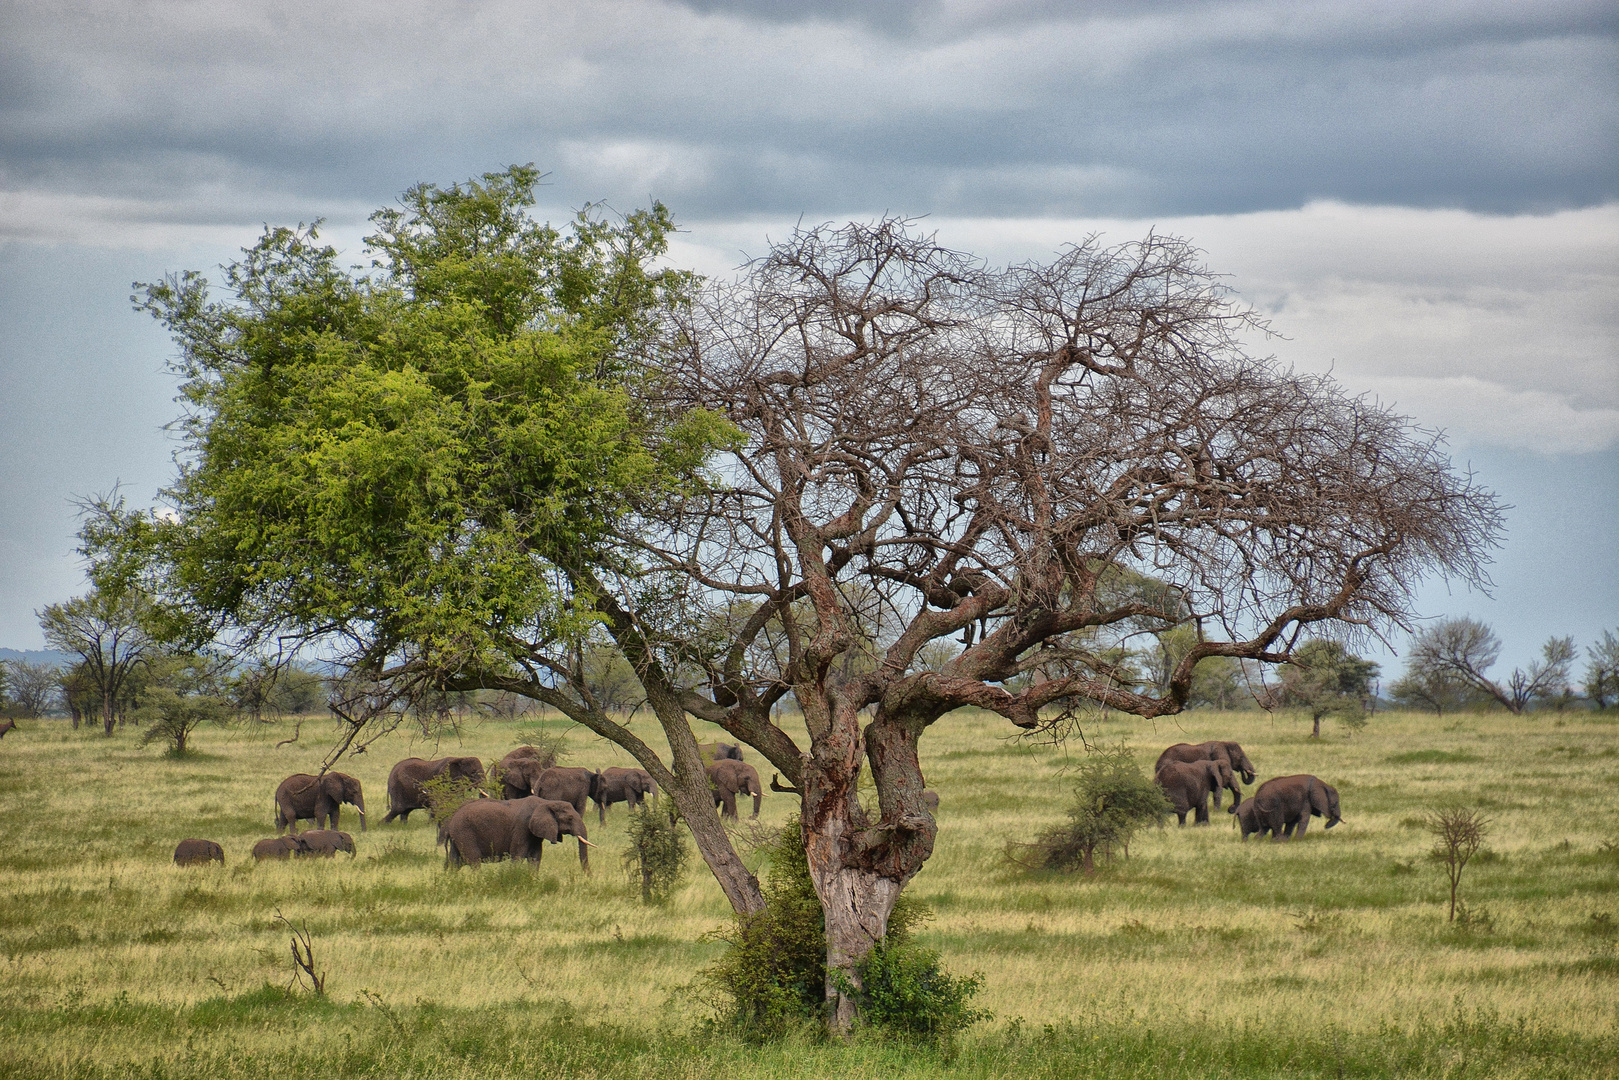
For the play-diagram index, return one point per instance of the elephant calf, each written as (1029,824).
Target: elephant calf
(192,852)
(1283,806)
(326,842)
(728,777)
(316,798)
(614,784)
(279,847)
(719,751)
(516,829)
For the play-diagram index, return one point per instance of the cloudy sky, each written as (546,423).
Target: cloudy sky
(1423,196)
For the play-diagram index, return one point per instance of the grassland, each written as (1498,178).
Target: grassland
(1198,956)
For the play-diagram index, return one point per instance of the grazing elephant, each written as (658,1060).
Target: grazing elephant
(517,775)
(192,852)
(1284,804)
(570,785)
(1229,752)
(317,799)
(405,782)
(279,847)
(1188,785)
(1249,819)
(728,777)
(614,784)
(498,828)
(719,751)
(326,842)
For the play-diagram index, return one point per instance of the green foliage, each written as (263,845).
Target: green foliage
(904,991)
(409,458)
(1434,689)
(1325,678)
(773,975)
(445,795)
(658,853)
(1113,798)
(171,715)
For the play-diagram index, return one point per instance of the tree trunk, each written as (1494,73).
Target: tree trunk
(858,867)
(109,714)
(1315,733)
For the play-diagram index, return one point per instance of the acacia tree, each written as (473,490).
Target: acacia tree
(109,631)
(870,476)
(1463,650)
(1602,669)
(936,451)
(1326,678)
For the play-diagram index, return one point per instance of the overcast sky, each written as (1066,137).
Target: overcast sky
(1422,196)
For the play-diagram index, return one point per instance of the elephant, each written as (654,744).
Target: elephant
(517,770)
(728,777)
(405,782)
(614,784)
(1229,752)
(279,847)
(326,842)
(719,751)
(1188,785)
(1248,818)
(1284,805)
(518,774)
(317,799)
(516,828)
(570,785)
(192,852)
(930,799)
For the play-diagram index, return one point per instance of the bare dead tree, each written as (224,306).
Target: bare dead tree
(1458,835)
(1037,464)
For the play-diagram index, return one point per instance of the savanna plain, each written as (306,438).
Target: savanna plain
(1198,955)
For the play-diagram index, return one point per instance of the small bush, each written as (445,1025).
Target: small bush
(171,717)
(657,855)
(1112,800)
(447,794)
(904,992)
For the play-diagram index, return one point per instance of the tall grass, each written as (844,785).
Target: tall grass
(1198,955)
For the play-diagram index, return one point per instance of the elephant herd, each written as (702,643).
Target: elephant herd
(537,801)
(1189,773)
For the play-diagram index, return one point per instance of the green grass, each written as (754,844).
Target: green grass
(1197,956)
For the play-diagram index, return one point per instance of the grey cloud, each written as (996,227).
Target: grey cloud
(724,108)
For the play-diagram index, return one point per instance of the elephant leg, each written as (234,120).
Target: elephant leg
(1200,815)
(1304,823)
(728,805)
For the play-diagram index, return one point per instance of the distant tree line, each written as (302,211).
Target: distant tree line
(1448,668)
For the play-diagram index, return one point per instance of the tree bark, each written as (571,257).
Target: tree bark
(859,868)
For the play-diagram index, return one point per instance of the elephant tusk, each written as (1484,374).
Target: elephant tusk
(583,841)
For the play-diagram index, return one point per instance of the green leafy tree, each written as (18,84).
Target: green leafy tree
(181,692)
(110,632)
(1324,679)
(1602,670)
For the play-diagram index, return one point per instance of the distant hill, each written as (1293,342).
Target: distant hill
(39,656)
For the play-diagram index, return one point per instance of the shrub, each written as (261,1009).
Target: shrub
(903,991)
(657,854)
(1113,798)
(773,976)
(445,795)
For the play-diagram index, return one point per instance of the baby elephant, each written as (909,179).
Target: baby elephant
(1284,805)
(279,847)
(192,852)
(326,842)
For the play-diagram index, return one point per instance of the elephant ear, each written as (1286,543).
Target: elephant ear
(331,786)
(543,824)
(1318,799)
